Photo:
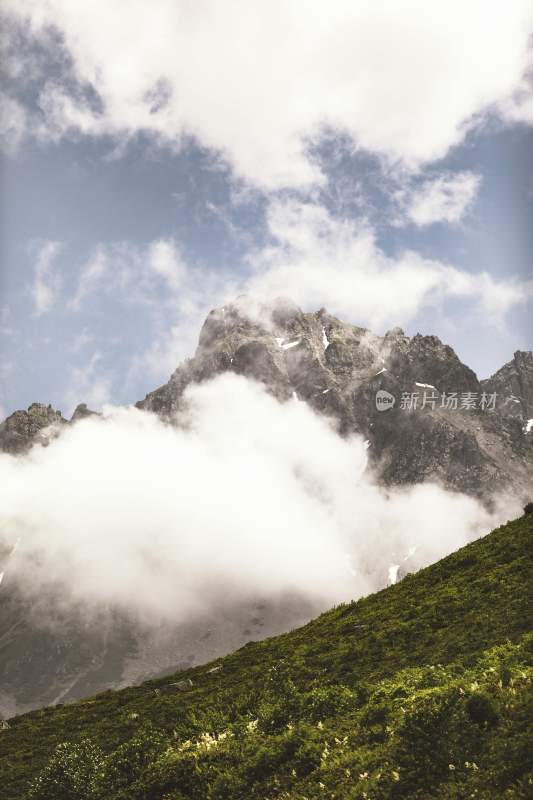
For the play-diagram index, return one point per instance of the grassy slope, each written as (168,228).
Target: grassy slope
(348,667)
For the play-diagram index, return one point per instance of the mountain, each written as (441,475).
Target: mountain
(53,655)
(514,386)
(338,369)
(423,690)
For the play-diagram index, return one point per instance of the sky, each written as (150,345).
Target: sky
(161,158)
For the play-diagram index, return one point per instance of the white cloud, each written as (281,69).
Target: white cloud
(13,122)
(47,281)
(445,198)
(157,278)
(90,278)
(89,384)
(519,107)
(256,82)
(319,260)
(165,260)
(312,257)
(251,498)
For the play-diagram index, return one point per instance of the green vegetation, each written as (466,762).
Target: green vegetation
(421,691)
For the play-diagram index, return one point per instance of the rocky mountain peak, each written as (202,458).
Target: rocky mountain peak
(513,384)
(38,425)
(81,412)
(337,368)
(22,429)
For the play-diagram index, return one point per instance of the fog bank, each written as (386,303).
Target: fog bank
(246,498)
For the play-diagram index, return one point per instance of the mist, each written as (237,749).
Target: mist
(243,497)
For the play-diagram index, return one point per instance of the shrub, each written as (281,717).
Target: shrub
(70,774)
(528,508)
(481,709)
(326,701)
(129,761)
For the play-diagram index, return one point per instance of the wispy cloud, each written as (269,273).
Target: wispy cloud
(90,277)
(47,281)
(112,513)
(311,256)
(318,259)
(444,198)
(166,261)
(88,383)
(13,122)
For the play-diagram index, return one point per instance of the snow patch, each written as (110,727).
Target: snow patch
(326,391)
(279,342)
(425,385)
(325,340)
(367,444)
(382,370)
(290,344)
(528,426)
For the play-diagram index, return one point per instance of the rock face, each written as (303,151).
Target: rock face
(338,369)
(39,425)
(514,386)
(23,429)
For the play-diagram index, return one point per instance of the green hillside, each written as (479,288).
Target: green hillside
(423,690)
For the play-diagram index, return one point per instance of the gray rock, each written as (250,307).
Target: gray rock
(513,384)
(82,412)
(477,452)
(174,688)
(22,429)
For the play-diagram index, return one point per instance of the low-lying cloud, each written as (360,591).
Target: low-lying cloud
(246,498)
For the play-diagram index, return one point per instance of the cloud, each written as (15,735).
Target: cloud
(13,122)
(157,279)
(311,256)
(519,107)
(91,276)
(47,282)
(81,340)
(445,198)
(165,260)
(249,498)
(320,260)
(259,83)
(89,384)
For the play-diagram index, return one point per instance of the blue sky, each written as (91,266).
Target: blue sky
(378,163)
